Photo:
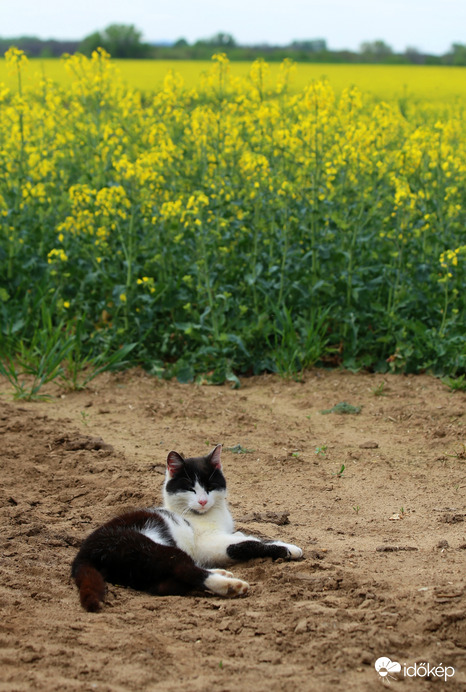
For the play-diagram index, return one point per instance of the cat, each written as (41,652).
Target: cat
(177,548)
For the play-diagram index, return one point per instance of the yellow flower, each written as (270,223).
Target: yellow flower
(15,57)
(56,254)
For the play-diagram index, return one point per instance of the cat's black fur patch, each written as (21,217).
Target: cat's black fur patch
(123,555)
(196,469)
(141,550)
(248,550)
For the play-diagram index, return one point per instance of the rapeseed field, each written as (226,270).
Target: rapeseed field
(429,84)
(238,225)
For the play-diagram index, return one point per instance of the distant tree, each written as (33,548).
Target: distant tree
(220,40)
(120,40)
(414,56)
(375,49)
(46,52)
(315,45)
(181,43)
(457,54)
(91,43)
(35,47)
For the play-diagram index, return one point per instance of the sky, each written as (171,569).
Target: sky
(428,25)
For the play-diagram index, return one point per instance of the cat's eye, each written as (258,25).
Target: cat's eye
(185,485)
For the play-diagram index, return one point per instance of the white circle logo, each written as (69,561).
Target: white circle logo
(384,666)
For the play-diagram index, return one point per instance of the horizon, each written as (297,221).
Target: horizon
(238,44)
(425,25)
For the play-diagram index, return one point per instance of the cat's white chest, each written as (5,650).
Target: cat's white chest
(183,533)
(200,530)
(212,534)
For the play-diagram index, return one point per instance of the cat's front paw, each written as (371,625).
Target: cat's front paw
(295,552)
(225,585)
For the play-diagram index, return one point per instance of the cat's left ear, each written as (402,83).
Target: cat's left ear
(215,457)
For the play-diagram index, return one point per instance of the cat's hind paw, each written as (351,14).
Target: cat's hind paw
(237,587)
(225,586)
(223,572)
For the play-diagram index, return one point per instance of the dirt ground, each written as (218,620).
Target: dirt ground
(384,541)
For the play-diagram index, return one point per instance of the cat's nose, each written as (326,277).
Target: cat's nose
(202,502)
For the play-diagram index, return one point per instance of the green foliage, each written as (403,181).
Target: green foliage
(28,364)
(299,343)
(234,230)
(456,383)
(343,408)
(457,54)
(80,368)
(119,40)
(38,349)
(340,472)
(239,449)
(379,390)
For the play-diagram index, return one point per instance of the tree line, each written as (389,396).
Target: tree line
(125,41)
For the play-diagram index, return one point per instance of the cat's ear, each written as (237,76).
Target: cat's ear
(174,463)
(215,457)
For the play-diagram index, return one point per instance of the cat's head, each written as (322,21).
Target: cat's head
(196,484)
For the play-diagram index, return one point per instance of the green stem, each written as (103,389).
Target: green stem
(356,226)
(128,253)
(206,279)
(393,289)
(21,123)
(315,197)
(445,306)
(313,246)
(349,283)
(254,256)
(12,241)
(283,264)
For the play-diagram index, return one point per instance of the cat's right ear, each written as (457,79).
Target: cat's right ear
(215,455)
(174,463)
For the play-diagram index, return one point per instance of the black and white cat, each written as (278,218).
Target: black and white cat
(176,548)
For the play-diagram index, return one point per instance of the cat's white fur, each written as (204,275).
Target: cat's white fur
(195,518)
(201,524)
(205,532)
(188,539)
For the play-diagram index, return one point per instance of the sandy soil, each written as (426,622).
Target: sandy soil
(384,542)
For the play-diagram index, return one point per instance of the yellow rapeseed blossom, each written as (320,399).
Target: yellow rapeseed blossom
(15,57)
(57,254)
(242,178)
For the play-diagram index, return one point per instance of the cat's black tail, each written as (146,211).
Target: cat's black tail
(90,583)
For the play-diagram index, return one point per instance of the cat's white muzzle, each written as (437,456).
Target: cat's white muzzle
(201,507)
